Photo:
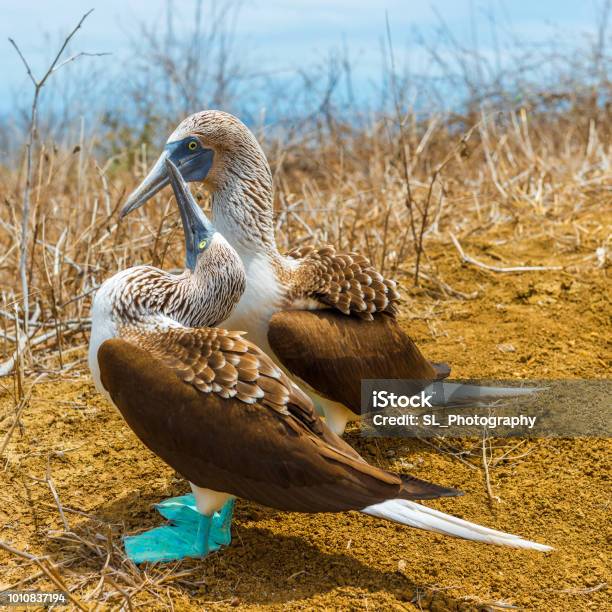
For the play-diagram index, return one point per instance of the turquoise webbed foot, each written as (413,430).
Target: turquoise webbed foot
(189,534)
(221,528)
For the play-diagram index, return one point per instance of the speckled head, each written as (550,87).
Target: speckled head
(212,147)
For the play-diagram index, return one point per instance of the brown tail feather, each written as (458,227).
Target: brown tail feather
(413,488)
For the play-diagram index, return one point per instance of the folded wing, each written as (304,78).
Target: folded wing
(332,353)
(216,409)
(346,282)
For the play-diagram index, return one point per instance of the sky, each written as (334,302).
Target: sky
(278,34)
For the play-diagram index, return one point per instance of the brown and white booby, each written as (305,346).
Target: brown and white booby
(327,318)
(218,410)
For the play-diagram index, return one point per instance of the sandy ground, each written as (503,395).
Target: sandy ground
(555,491)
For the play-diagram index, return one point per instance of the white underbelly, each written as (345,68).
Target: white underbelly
(261,299)
(336,414)
(103,328)
(254,319)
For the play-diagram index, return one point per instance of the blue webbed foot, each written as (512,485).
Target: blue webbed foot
(189,534)
(221,528)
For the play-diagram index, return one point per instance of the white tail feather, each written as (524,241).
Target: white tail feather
(415,515)
(462,393)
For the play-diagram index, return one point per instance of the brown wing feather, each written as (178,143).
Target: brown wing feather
(222,362)
(274,451)
(344,281)
(333,353)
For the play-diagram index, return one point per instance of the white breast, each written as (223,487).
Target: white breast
(104,324)
(260,300)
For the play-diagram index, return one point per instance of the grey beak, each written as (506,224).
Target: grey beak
(156,179)
(196,225)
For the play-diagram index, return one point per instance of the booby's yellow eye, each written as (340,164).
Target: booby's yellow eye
(202,245)
(192,145)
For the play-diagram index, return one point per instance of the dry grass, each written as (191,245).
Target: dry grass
(526,175)
(347,188)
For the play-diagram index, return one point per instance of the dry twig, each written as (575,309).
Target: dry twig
(32,136)
(467,259)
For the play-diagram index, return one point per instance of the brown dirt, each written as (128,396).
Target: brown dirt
(552,490)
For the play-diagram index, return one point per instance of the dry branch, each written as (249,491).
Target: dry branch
(485,467)
(22,341)
(21,406)
(467,259)
(32,136)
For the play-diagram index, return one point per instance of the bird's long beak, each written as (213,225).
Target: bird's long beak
(196,225)
(154,181)
(194,164)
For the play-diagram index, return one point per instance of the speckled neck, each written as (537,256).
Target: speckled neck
(242,209)
(205,297)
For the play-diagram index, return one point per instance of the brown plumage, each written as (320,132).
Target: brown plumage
(345,281)
(191,299)
(333,353)
(217,409)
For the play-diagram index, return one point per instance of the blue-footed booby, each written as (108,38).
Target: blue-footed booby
(142,306)
(327,318)
(217,409)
